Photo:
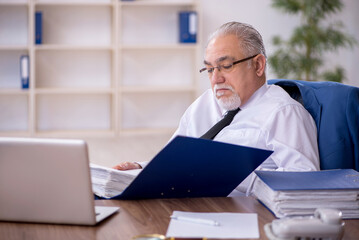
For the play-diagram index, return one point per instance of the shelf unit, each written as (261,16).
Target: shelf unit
(104,68)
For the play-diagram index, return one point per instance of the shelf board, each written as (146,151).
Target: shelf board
(14,91)
(11,3)
(14,133)
(158,3)
(74,91)
(156,89)
(40,47)
(12,48)
(75,133)
(73,3)
(179,46)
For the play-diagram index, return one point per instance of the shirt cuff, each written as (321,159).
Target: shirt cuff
(143,164)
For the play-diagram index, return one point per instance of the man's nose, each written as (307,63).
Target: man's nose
(217,76)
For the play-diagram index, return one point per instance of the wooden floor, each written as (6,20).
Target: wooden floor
(110,151)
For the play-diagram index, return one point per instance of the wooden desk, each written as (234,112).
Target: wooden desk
(146,216)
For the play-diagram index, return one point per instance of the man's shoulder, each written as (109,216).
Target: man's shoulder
(280,97)
(274,101)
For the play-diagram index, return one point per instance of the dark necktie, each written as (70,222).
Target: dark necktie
(211,133)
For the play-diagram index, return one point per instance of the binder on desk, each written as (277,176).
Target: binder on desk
(38,27)
(289,194)
(188,27)
(24,71)
(192,167)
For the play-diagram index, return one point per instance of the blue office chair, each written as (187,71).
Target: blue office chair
(335,109)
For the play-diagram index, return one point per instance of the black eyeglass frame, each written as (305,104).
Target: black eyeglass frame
(234,63)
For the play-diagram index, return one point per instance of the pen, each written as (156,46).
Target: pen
(196,220)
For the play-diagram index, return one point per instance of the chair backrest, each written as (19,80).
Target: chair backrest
(335,110)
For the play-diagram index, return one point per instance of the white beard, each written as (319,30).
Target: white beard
(227,103)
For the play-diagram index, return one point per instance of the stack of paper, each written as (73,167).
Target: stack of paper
(300,193)
(108,182)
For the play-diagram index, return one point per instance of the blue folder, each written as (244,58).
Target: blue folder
(38,27)
(192,167)
(188,27)
(337,179)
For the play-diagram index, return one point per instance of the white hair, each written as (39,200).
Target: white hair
(250,40)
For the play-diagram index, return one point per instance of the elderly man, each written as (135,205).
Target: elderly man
(257,115)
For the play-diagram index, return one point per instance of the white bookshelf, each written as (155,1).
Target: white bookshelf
(105,67)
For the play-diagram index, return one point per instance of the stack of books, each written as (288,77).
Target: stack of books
(289,194)
(108,182)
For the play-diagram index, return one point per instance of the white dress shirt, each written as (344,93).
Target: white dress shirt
(270,119)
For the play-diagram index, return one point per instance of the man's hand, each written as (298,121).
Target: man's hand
(127,166)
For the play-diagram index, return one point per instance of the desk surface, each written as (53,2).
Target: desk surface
(146,216)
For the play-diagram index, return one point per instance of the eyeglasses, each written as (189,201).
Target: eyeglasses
(226,67)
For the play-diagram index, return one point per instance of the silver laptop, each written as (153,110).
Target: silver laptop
(47,181)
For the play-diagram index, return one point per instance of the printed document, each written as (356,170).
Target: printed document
(108,182)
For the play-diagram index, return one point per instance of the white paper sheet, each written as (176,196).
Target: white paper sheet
(231,225)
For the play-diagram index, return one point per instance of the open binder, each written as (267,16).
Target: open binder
(192,167)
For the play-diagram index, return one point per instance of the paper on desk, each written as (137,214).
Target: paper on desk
(232,225)
(108,182)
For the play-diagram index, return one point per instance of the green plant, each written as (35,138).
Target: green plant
(301,56)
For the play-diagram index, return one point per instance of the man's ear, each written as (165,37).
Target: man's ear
(260,63)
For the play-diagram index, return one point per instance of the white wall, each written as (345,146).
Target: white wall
(270,21)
